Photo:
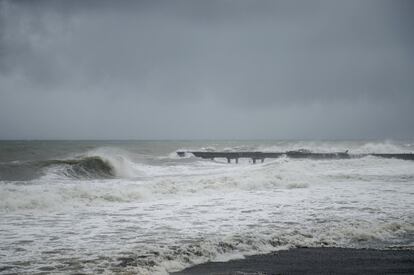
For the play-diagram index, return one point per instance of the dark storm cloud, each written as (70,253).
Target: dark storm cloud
(206,69)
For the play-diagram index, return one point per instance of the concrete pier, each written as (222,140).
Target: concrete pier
(290,154)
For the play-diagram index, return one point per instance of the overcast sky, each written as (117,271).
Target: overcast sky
(206,69)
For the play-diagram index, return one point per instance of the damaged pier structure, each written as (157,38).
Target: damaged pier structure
(255,156)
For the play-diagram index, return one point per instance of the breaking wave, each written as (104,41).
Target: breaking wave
(369,147)
(101,163)
(86,167)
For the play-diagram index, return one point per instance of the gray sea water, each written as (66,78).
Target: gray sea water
(135,206)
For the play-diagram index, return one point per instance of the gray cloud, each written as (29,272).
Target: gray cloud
(206,69)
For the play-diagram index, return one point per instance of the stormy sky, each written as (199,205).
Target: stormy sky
(229,69)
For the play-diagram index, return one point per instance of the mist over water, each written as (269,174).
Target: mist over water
(94,206)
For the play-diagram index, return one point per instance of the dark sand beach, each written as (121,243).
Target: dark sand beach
(314,261)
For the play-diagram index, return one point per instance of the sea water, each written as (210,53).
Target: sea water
(135,206)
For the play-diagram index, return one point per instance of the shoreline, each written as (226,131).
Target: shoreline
(313,261)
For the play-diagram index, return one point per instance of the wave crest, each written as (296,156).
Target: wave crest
(86,167)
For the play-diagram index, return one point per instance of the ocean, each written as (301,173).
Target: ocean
(136,207)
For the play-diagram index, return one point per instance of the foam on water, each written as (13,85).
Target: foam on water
(159,214)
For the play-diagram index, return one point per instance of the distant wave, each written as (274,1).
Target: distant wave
(379,147)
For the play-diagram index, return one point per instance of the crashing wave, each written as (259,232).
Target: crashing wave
(85,167)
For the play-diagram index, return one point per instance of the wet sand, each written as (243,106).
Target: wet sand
(314,261)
